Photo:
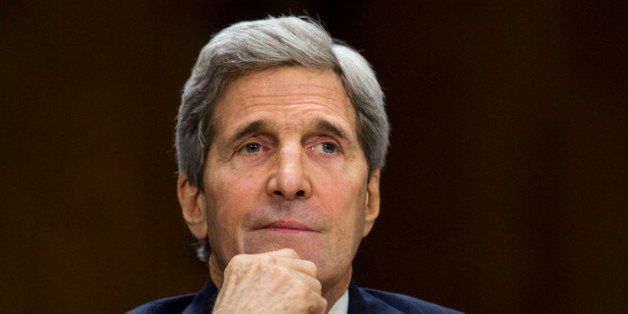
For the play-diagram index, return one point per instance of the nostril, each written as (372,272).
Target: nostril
(300,193)
(278,193)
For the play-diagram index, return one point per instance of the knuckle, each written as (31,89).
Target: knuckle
(300,292)
(267,259)
(288,252)
(279,272)
(318,286)
(322,303)
(238,261)
(310,267)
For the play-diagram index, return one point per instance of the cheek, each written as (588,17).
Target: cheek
(228,202)
(228,198)
(346,202)
(231,195)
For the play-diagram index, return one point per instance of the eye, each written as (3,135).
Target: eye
(327,147)
(251,148)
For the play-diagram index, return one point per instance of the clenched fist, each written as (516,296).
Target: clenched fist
(272,282)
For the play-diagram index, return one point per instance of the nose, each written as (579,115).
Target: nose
(289,178)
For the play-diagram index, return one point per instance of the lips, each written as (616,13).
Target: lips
(287,226)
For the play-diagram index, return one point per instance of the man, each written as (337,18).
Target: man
(281,137)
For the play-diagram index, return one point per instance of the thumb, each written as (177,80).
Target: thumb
(285,252)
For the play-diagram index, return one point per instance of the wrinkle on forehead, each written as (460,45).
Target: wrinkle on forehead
(269,92)
(332,97)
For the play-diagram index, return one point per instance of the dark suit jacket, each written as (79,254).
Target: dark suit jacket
(360,301)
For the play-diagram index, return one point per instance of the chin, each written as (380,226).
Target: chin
(304,243)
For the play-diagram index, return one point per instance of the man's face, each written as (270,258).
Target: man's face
(285,170)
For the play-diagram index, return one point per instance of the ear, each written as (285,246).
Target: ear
(372,202)
(192,201)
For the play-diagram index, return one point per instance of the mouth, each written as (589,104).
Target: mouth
(286,226)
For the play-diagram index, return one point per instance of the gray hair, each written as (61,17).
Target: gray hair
(252,46)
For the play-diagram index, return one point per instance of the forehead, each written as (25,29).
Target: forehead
(287,95)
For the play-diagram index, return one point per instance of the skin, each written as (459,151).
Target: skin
(287,195)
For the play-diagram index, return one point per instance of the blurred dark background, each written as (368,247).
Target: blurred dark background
(506,188)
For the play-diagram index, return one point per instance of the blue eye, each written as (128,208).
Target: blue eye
(327,148)
(251,148)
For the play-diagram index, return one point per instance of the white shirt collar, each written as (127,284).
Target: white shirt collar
(341,306)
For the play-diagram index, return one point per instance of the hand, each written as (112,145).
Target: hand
(272,282)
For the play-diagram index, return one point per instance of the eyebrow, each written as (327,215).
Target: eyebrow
(253,127)
(327,126)
(258,126)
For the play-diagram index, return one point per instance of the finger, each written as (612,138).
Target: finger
(320,307)
(306,267)
(285,252)
(311,282)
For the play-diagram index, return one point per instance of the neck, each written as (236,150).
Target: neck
(216,273)
(333,291)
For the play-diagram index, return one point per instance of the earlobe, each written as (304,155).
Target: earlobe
(372,202)
(192,201)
